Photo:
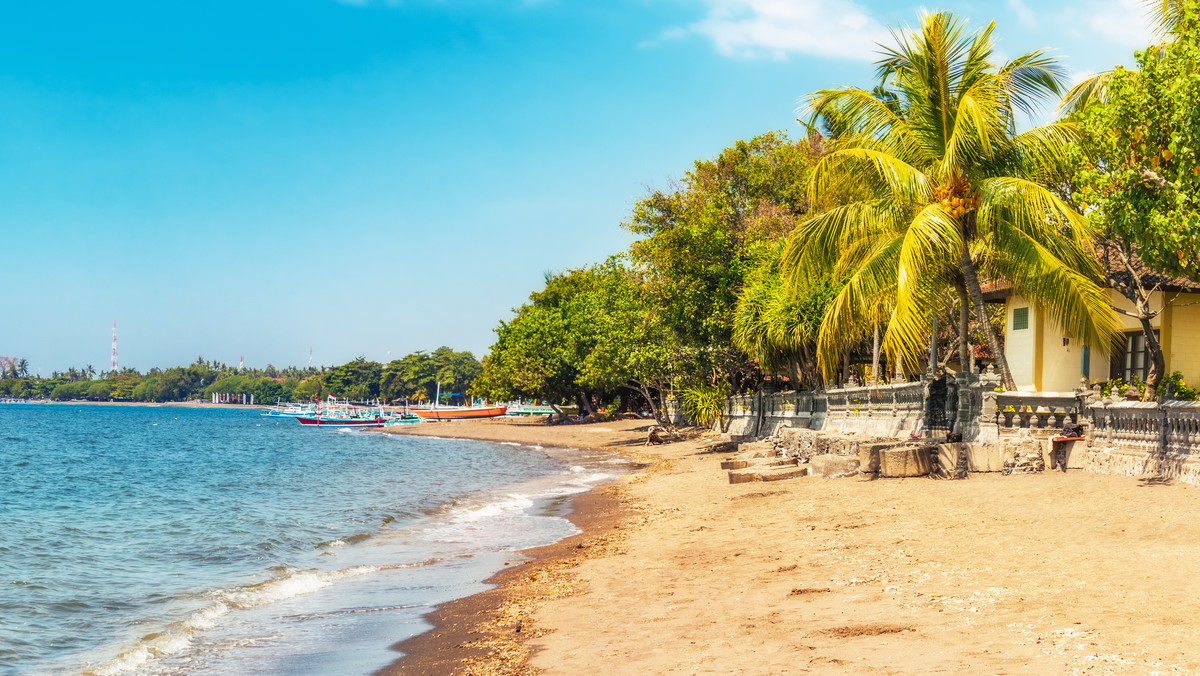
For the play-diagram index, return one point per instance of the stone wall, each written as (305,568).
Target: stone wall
(1134,438)
(998,428)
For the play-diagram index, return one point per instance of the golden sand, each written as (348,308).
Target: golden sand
(681,572)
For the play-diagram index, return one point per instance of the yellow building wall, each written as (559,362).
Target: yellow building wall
(1183,352)
(1056,367)
(1061,364)
(1019,345)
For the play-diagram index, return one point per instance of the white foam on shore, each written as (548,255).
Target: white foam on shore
(178,637)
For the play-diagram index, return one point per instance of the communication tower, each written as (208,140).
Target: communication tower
(113,366)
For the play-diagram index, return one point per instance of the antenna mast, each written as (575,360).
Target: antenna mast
(113,366)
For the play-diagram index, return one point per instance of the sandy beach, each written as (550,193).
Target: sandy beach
(678,571)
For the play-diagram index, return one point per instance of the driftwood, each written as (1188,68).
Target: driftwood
(661,435)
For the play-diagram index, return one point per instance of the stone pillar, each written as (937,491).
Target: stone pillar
(989,431)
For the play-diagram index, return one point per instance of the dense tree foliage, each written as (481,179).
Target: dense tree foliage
(357,380)
(662,316)
(1138,175)
(418,376)
(702,240)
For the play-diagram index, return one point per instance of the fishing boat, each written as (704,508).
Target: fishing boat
(342,421)
(460,412)
(281,410)
(344,415)
(401,419)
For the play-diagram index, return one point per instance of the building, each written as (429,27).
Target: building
(1043,359)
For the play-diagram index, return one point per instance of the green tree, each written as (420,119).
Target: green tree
(950,192)
(311,388)
(620,337)
(776,326)
(1138,175)
(699,242)
(530,358)
(357,380)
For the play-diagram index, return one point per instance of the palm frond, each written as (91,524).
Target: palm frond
(817,244)
(860,302)
(1073,300)
(1094,88)
(864,165)
(1031,77)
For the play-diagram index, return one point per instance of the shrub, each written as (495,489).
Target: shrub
(705,405)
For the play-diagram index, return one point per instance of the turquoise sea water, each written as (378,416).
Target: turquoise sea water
(166,540)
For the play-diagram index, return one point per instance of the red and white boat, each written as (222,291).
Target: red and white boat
(344,415)
(338,421)
(460,412)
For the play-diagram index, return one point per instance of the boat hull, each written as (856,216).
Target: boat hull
(341,422)
(461,413)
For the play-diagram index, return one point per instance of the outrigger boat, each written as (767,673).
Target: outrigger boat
(336,421)
(343,415)
(290,410)
(460,412)
(436,412)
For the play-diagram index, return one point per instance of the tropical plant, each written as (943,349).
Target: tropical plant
(777,327)
(700,242)
(950,194)
(704,404)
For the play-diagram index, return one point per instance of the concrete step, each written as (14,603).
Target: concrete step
(768,474)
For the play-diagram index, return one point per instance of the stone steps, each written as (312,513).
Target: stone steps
(778,473)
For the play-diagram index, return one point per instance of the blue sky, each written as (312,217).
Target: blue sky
(374,177)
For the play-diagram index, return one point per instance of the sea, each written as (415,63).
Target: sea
(141,540)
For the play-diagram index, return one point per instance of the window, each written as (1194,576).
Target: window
(1132,359)
(1020,318)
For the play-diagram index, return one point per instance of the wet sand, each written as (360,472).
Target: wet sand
(678,571)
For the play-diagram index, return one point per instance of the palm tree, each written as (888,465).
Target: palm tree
(22,368)
(944,191)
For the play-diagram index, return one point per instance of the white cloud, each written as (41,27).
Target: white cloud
(777,28)
(1023,14)
(1124,22)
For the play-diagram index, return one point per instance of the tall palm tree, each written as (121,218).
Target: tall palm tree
(945,191)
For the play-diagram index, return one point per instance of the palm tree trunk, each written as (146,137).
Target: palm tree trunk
(875,357)
(933,342)
(964,326)
(793,369)
(971,281)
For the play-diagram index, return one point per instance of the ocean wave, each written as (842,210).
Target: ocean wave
(178,636)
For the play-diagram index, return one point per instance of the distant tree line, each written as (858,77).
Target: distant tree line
(414,378)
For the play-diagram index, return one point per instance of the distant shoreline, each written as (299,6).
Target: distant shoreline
(151,404)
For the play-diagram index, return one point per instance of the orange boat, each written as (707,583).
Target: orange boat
(459,413)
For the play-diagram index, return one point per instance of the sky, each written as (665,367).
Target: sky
(265,180)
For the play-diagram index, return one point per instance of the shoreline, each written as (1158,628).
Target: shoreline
(489,631)
(1045,573)
(148,404)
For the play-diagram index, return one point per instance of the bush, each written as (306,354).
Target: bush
(1182,391)
(705,405)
